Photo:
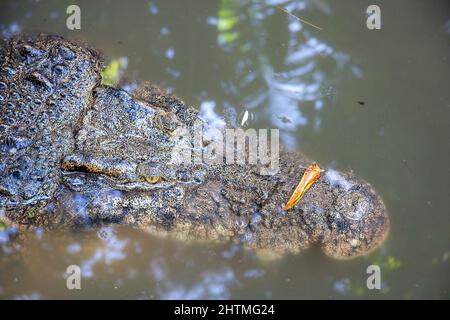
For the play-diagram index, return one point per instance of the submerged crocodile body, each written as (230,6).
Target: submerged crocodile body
(75,153)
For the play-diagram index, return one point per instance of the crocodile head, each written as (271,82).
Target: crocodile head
(77,153)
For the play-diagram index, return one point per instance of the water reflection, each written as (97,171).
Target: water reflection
(286,90)
(6,233)
(346,288)
(207,285)
(271,64)
(136,264)
(9,30)
(111,250)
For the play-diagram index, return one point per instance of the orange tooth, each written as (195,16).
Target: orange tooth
(311,174)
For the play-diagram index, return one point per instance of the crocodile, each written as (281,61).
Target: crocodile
(77,153)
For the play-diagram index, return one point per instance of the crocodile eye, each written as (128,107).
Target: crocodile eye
(153,179)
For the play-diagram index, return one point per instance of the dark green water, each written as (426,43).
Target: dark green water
(373,101)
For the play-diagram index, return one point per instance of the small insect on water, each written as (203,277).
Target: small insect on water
(311,174)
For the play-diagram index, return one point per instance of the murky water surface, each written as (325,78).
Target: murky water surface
(375,102)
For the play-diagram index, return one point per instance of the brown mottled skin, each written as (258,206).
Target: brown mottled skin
(76,153)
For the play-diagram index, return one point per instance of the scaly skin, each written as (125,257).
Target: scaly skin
(76,153)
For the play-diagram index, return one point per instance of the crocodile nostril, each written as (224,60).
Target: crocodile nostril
(353,205)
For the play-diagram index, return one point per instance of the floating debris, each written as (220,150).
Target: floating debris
(244,118)
(114,71)
(311,174)
(299,19)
